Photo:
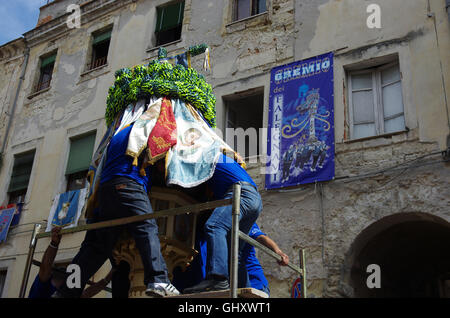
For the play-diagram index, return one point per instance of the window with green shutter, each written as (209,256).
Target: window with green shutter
(100,48)
(169,22)
(20,177)
(46,72)
(81,149)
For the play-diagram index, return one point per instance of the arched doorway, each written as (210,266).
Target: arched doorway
(413,253)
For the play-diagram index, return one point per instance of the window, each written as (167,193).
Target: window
(376,102)
(169,22)
(247,8)
(46,72)
(20,177)
(100,48)
(2,281)
(245,111)
(80,156)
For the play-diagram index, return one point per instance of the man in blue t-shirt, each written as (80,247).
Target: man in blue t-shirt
(218,226)
(49,279)
(255,279)
(254,268)
(123,193)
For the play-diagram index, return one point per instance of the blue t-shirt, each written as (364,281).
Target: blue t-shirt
(227,173)
(254,268)
(41,289)
(119,164)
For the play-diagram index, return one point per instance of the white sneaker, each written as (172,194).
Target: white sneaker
(161,290)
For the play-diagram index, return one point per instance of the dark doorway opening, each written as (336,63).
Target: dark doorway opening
(414,261)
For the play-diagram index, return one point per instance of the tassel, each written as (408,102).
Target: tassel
(135,161)
(142,171)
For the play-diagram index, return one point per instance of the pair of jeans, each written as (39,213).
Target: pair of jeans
(218,230)
(121,197)
(124,197)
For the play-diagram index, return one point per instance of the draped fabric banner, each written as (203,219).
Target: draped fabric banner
(66,209)
(301,123)
(6,217)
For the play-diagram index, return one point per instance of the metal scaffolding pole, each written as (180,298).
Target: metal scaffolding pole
(28,263)
(303,266)
(235,240)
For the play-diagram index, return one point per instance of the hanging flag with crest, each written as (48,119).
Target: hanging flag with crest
(66,209)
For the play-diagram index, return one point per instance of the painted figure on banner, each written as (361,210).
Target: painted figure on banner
(306,145)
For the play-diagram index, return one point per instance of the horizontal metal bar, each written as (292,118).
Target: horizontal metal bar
(169,212)
(267,250)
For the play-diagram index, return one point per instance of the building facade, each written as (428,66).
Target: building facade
(389,202)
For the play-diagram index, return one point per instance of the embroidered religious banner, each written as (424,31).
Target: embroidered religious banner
(301,123)
(66,209)
(164,134)
(6,217)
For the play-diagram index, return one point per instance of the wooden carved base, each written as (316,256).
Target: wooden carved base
(175,253)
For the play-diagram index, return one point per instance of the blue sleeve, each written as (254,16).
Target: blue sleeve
(41,289)
(255,232)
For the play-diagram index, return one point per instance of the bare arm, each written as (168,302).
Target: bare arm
(267,241)
(94,289)
(45,270)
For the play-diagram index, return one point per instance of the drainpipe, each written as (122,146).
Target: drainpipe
(13,108)
(447,7)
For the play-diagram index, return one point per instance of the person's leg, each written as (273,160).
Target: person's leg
(266,289)
(120,281)
(218,227)
(130,199)
(217,231)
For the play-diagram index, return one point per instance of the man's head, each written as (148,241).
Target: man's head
(58,276)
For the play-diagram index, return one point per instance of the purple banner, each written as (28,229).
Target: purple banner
(301,123)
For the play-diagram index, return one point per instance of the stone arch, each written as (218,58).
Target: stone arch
(412,251)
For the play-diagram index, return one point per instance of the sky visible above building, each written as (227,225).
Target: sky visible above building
(18,17)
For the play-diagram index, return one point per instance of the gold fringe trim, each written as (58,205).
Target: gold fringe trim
(152,160)
(90,176)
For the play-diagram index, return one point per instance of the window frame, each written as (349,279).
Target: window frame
(377,89)
(40,83)
(20,193)
(76,175)
(234,16)
(228,102)
(92,56)
(156,33)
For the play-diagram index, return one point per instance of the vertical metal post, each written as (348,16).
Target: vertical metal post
(303,267)
(235,240)
(26,273)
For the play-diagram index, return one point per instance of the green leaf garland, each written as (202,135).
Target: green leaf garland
(161,80)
